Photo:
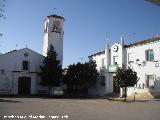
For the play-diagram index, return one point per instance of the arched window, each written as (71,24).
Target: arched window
(56,26)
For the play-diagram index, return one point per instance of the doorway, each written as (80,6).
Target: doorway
(116,89)
(24,85)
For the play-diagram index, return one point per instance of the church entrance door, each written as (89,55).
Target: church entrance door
(24,85)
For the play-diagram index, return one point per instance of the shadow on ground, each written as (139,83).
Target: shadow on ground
(9,101)
(110,97)
(127,101)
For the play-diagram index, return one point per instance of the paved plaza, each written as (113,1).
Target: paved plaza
(77,109)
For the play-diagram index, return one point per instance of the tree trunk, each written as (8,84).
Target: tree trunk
(125,93)
(49,90)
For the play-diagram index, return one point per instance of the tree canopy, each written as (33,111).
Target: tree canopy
(51,71)
(82,75)
(125,78)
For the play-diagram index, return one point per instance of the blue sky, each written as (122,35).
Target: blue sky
(85,27)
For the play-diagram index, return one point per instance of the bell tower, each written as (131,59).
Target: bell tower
(53,35)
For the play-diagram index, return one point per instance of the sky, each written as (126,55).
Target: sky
(86,24)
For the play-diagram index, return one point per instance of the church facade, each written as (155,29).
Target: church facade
(19,69)
(143,57)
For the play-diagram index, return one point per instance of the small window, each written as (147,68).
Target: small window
(150,55)
(115,60)
(56,23)
(131,58)
(25,54)
(150,81)
(56,26)
(25,65)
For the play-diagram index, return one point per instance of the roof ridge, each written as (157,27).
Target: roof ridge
(56,16)
(19,50)
(143,42)
(133,44)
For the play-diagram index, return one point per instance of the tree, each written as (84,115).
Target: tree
(69,78)
(89,75)
(2,5)
(125,78)
(81,75)
(51,72)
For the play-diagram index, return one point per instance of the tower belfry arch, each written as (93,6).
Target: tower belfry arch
(53,35)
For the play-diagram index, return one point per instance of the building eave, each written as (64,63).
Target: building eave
(151,40)
(56,16)
(99,53)
(10,52)
(143,42)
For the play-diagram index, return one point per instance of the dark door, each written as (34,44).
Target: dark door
(116,89)
(24,85)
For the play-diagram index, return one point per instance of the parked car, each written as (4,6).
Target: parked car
(56,91)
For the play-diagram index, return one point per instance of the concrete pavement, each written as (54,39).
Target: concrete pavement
(77,109)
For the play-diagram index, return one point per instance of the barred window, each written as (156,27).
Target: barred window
(150,55)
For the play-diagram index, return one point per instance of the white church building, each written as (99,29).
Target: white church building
(19,69)
(143,57)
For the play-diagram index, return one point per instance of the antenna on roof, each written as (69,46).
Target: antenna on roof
(107,40)
(54,11)
(122,38)
(16,46)
(25,43)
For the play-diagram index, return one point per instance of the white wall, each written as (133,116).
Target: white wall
(133,53)
(145,69)
(54,38)
(11,63)
(102,65)
(119,54)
